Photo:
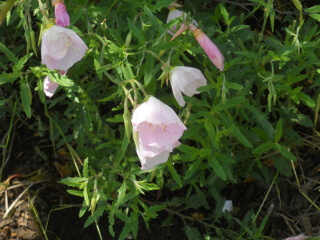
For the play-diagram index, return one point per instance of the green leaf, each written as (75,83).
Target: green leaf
(230,103)
(25,97)
(154,21)
(75,192)
(193,168)
(224,158)
(20,64)
(174,174)
(85,168)
(264,148)
(214,164)
(235,86)
(136,32)
(121,194)
(73,182)
(8,77)
(278,133)
(148,186)
(63,81)
(8,53)
(286,153)
(192,233)
(314,9)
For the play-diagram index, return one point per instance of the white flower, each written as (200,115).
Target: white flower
(186,80)
(158,129)
(228,206)
(61,48)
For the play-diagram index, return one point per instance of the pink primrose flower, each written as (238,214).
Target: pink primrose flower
(210,48)
(186,80)
(61,15)
(61,48)
(158,129)
(51,87)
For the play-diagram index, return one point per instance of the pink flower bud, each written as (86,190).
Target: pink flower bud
(61,15)
(210,49)
(158,128)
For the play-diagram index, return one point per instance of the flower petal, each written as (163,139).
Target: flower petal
(159,135)
(49,87)
(210,48)
(61,48)
(186,80)
(155,112)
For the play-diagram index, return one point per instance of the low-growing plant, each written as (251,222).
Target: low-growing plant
(246,124)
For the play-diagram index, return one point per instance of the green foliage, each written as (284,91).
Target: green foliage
(256,109)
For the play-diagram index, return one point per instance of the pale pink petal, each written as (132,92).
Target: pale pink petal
(186,80)
(299,237)
(159,135)
(61,15)
(61,48)
(155,112)
(148,163)
(210,48)
(49,87)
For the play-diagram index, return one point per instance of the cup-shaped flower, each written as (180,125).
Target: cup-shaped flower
(186,80)
(173,14)
(50,87)
(210,48)
(158,129)
(61,48)
(61,15)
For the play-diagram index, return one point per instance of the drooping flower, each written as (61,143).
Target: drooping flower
(186,80)
(158,129)
(50,87)
(173,14)
(61,15)
(61,48)
(209,47)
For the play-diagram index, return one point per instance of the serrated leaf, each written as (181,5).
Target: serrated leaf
(174,174)
(121,194)
(136,32)
(63,81)
(73,182)
(153,19)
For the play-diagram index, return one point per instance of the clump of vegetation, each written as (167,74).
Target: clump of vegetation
(249,74)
